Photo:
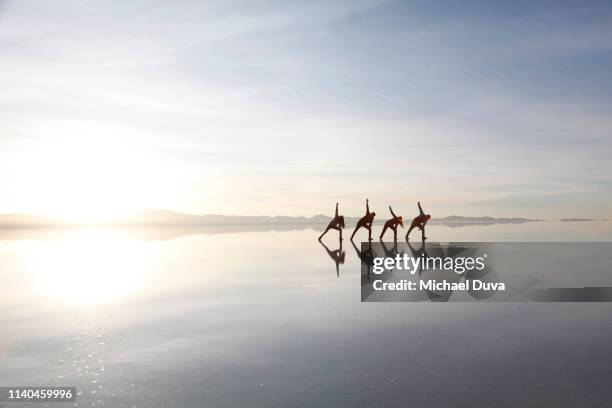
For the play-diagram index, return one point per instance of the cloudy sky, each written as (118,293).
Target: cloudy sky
(285,107)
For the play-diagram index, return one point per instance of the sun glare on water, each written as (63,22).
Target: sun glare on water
(89,267)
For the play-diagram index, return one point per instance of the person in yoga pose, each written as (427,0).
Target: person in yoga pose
(392,223)
(419,222)
(365,222)
(337,223)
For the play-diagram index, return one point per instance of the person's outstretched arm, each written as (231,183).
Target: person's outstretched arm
(367,206)
(420,208)
(392,213)
(336,210)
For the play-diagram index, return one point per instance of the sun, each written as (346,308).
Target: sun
(89,179)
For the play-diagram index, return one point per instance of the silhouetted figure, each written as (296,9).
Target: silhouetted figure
(392,223)
(365,222)
(337,223)
(419,222)
(337,256)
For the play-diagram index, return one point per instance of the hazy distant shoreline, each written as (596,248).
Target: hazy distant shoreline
(161,218)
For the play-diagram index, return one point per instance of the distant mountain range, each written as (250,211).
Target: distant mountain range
(576,219)
(171,218)
(21,220)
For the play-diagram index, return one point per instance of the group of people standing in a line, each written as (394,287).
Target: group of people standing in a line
(367,220)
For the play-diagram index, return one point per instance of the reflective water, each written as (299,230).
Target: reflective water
(192,318)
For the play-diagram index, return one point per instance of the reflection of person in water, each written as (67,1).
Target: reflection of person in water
(419,222)
(390,252)
(337,256)
(367,256)
(392,223)
(365,222)
(418,253)
(337,223)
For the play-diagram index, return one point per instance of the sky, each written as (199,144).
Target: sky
(286,107)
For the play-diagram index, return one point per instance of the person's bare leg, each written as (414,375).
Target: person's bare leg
(355,231)
(409,230)
(340,237)
(395,234)
(382,234)
(324,232)
(370,232)
(423,237)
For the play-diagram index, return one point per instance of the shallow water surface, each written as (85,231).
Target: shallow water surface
(192,318)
